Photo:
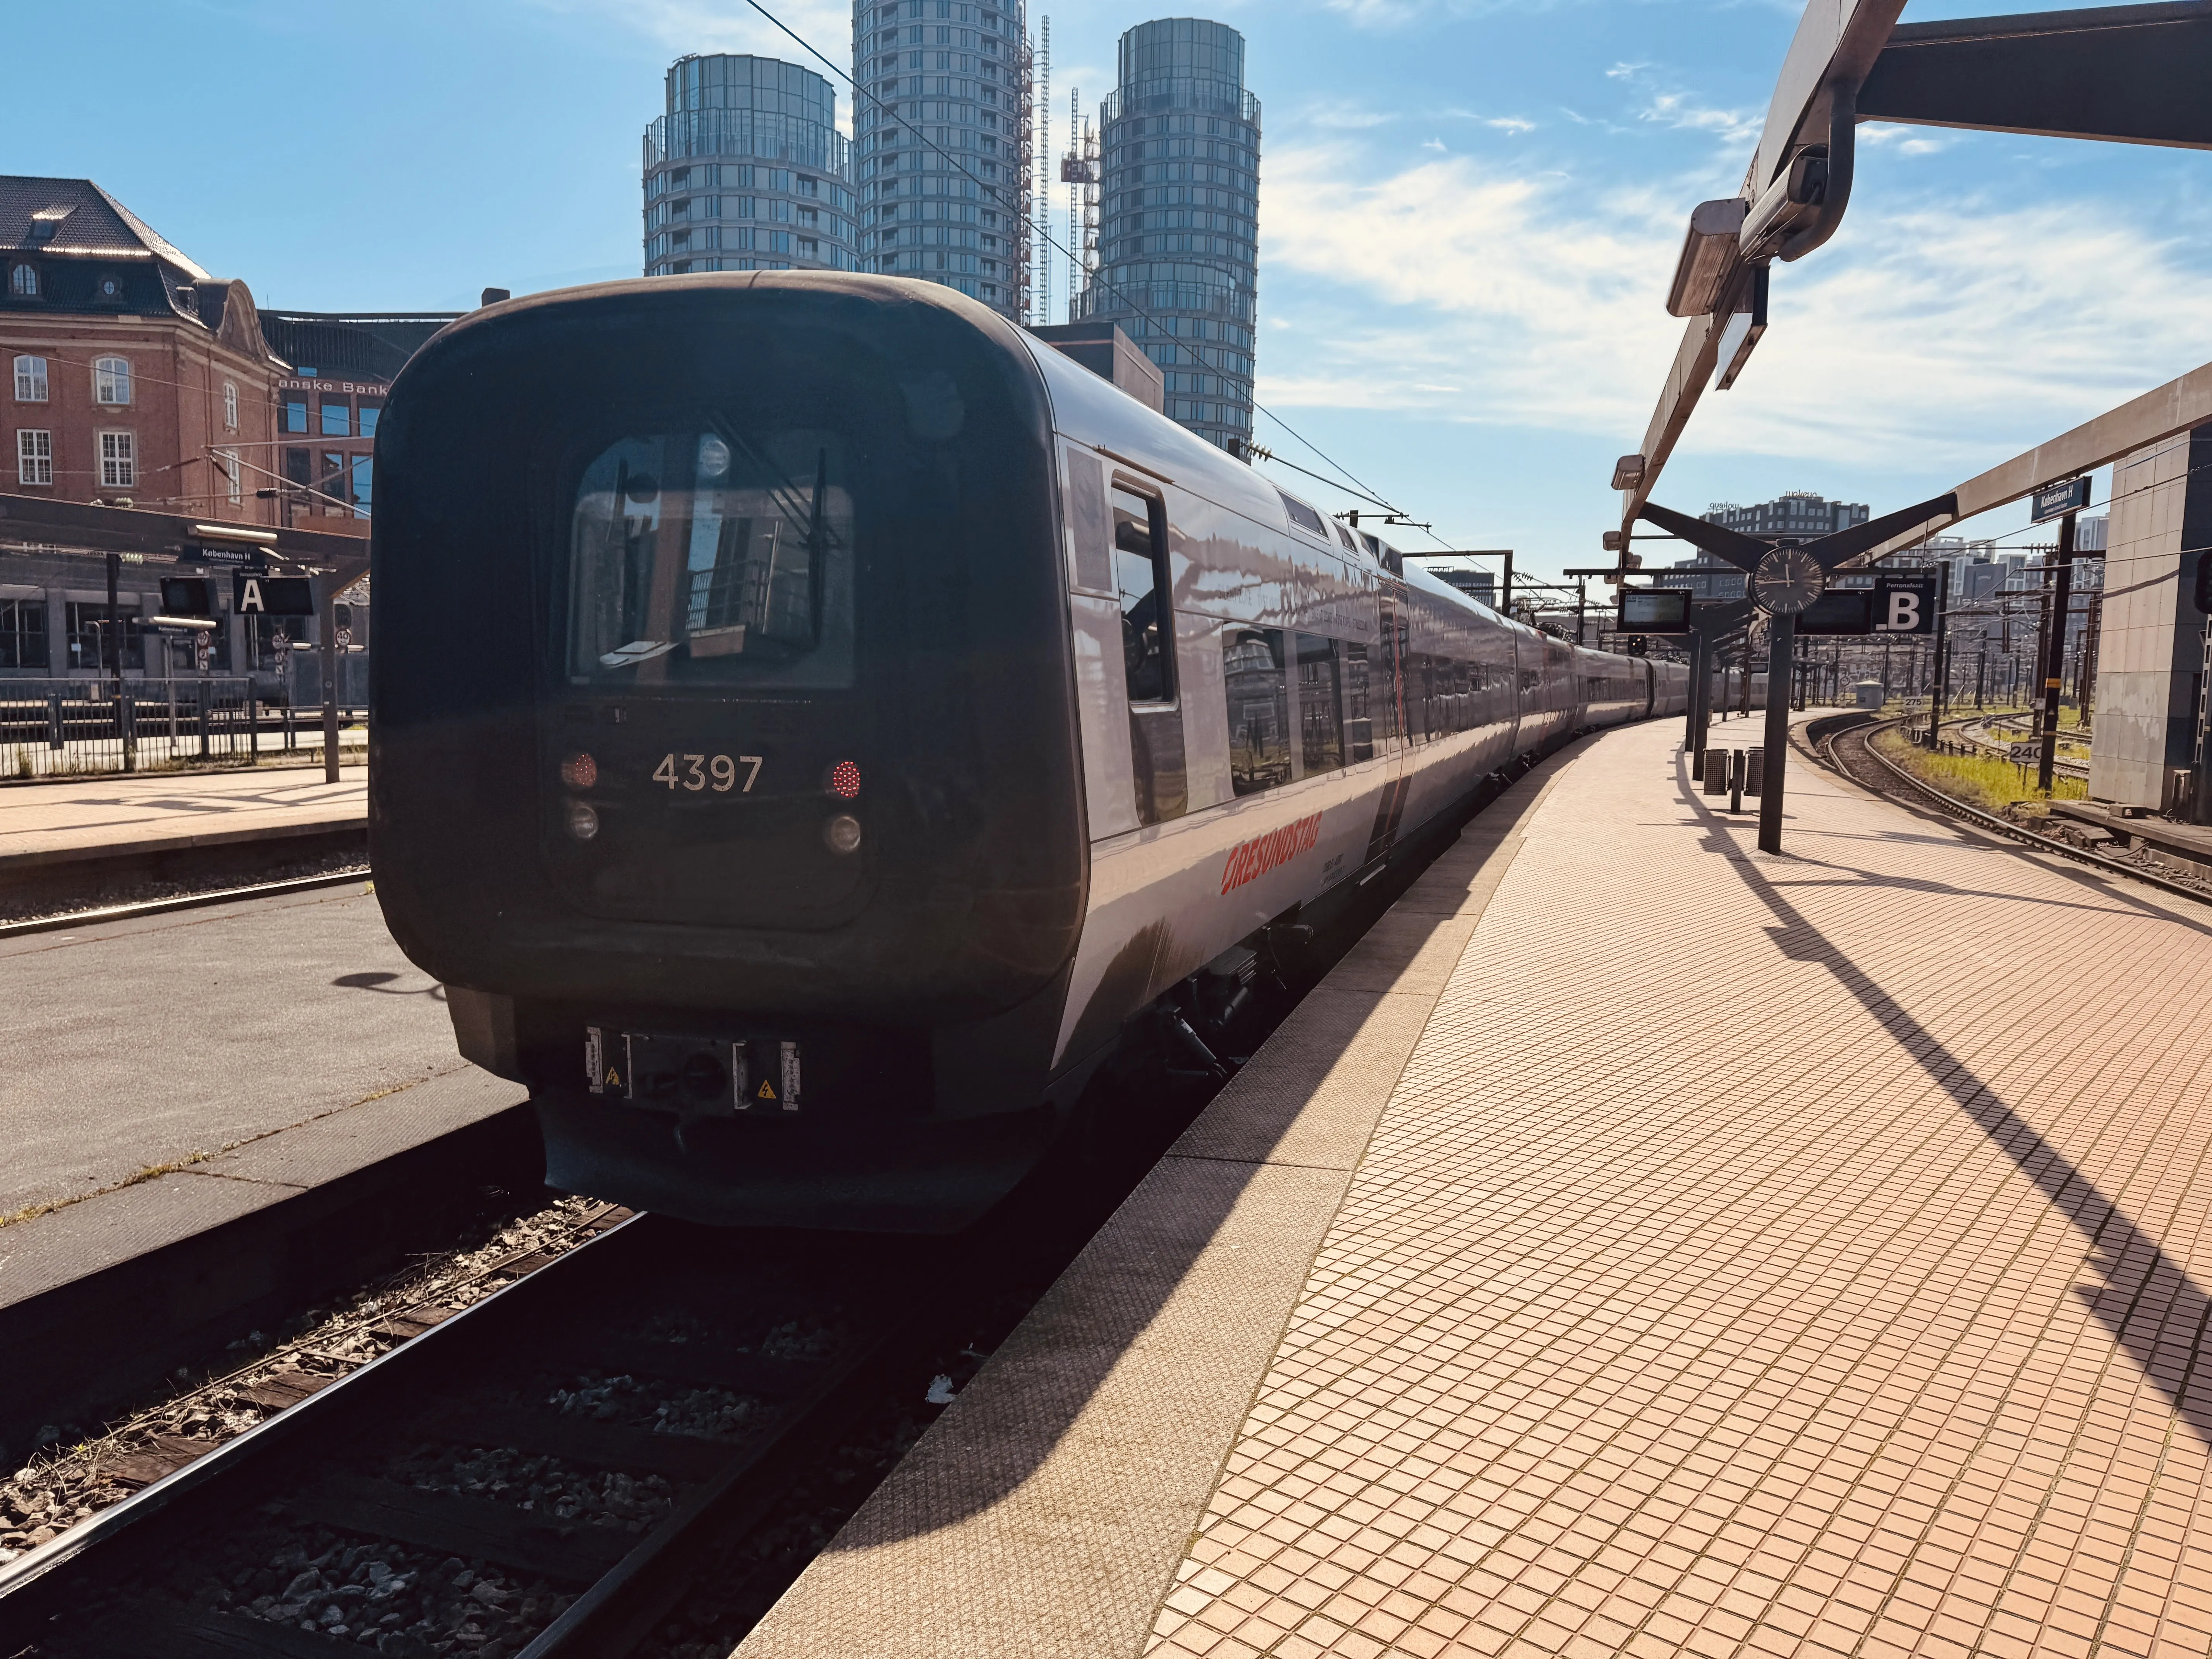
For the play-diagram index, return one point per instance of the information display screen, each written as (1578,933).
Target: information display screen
(1654,609)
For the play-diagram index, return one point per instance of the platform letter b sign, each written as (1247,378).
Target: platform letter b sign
(1903,613)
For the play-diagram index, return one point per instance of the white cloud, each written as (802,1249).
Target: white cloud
(1945,337)
(1511,124)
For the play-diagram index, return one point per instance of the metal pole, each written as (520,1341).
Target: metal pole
(1939,669)
(1505,588)
(1781,647)
(1693,737)
(327,620)
(2062,595)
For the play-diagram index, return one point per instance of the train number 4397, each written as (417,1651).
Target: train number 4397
(715,772)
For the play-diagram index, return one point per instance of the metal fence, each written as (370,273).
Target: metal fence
(73,728)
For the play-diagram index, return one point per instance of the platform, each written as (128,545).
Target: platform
(45,824)
(1641,1245)
(199,1107)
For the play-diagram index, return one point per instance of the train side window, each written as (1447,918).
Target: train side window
(1140,579)
(1086,522)
(1320,707)
(1256,682)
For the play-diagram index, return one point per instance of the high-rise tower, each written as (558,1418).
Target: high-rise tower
(1178,248)
(747,171)
(942,134)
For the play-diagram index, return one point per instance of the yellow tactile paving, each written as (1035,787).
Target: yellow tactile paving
(1757,1256)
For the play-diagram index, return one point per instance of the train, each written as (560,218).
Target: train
(816,724)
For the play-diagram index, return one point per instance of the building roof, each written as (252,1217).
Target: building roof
(373,345)
(75,216)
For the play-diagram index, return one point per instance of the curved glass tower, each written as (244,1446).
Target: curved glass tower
(747,171)
(943,137)
(1179,221)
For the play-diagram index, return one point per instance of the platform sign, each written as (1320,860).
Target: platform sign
(1654,609)
(1905,604)
(272,596)
(2056,500)
(1840,611)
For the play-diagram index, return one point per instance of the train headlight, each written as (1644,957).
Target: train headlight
(842,834)
(584,823)
(580,771)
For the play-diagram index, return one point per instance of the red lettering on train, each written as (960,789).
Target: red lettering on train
(1251,859)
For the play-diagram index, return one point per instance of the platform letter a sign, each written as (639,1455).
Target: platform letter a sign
(1903,616)
(249,595)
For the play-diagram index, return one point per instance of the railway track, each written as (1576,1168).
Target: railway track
(533,1475)
(1844,742)
(63,921)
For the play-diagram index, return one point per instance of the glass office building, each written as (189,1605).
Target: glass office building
(747,171)
(1178,247)
(942,131)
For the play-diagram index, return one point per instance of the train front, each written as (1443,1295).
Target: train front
(722,760)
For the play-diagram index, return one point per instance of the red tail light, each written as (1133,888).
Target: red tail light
(845,781)
(580,771)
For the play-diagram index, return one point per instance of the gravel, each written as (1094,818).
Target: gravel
(393,1600)
(662,1409)
(541,1484)
(74,1475)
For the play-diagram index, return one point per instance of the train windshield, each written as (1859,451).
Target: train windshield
(711,556)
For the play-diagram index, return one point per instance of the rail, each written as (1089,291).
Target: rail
(670,1382)
(1823,748)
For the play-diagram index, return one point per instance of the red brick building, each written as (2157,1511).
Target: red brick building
(132,376)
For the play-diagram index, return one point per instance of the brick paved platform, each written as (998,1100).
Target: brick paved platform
(1752,1255)
(49,824)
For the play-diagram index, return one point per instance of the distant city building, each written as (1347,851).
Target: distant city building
(328,403)
(1797,514)
(943,131)
(1705,576)
(1178,243)
(134,375)
(747,171)
(1475,584)
(134,378)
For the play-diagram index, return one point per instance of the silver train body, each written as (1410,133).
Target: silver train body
(1097,706)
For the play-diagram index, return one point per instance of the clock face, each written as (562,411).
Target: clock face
(1787,581)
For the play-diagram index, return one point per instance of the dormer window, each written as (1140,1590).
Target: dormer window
(24,281)
(111,381)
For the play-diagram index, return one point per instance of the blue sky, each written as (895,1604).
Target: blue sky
(1468,216)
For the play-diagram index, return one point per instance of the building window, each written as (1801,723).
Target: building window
(30,379)
(118,461)
(22,632)
(369,414)
(226,461)
(230,408)
(809,248)
(364,469)
(88,624)
(779,241)
(332,483)
(24,281)
(337,420)
(35,458)
(111,381)
(295,415)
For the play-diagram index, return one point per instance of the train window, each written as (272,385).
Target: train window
(1140,579)
(1086,522)
(1257,685)
(1302,515)
(1321,709)
(714,556)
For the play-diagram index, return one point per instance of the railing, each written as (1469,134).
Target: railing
(1180,95)
(78,728)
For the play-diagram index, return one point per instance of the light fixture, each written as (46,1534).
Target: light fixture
(1707,269)
(845,781)
(583,821)
(841,835)
(580,771)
